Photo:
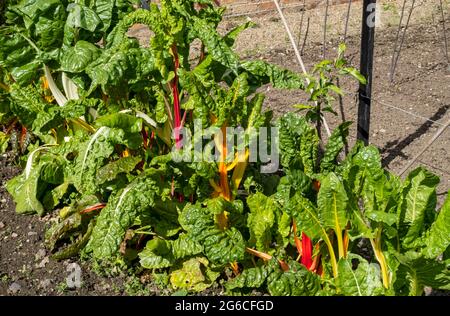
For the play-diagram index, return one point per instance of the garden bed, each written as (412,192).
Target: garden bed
(25,267)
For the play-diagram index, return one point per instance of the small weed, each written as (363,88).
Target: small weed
(4,279)
(62,287)
(134,287)
(389,7)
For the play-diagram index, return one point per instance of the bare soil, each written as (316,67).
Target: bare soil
(421,86)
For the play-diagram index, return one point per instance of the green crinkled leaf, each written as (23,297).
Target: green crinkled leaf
(194,275)
(363,164)
(105,11)
(185,246)
(416,272)
(77,58)
(382,217)
(283,228)
(83,17)
(118,67)
(437,239)
(122,209)
(223,247)
(249,278)
(418,205)
(157,254)
(260,220)
(113,169)
(215,45)
(306,216)
(334,146)
(24,190)
(220,246)
(33,35)
(262,73)
(62,229)
(294,181)
(380,194)
(194,218)
(52,198)
(293,283)
(160,253)
(126,122)
(40,171)
(52,168)
(32,110)
(364,280)
(74,248)
(332,203)
(95,151)
(309,151)
(293,132)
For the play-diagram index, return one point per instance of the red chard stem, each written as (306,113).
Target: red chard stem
(307,251)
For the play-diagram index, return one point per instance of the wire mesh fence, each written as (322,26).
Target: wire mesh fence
(403,24)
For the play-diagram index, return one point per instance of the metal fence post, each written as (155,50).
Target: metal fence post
(366,68)
(146,4)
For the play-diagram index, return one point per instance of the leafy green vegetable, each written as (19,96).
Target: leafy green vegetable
(437,239)
(97,115)
(261,220)
(362,281)
(121,211)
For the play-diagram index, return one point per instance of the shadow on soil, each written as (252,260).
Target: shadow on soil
(395,148)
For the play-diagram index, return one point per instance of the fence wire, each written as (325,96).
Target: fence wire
(256,12)
(237,6)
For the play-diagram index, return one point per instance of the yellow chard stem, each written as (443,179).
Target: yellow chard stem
(340,244)
(376,245)
(4,86)
(215,186)
(82,124)
(223,166)
(239,171)
(332,255)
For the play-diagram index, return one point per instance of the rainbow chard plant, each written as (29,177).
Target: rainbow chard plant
(358,204)
(113,126)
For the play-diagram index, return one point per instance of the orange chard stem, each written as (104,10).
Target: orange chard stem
(267,257)
(93,208)
(223,172)
(11,126)
(152,138)
(23,135)
(316,261)
(316,185)
(346,242)
(320,271)
(235,267)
